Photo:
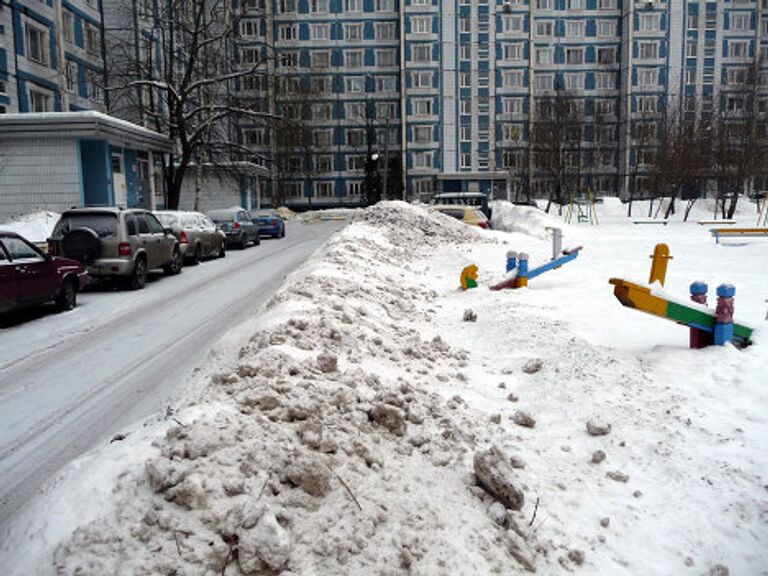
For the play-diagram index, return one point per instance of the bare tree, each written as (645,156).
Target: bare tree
(738,140)
(557,143)
(181,81)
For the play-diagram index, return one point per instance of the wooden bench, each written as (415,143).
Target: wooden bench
(717,222)
(738,233)
(650,221)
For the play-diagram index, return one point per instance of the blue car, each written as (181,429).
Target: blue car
(270,223)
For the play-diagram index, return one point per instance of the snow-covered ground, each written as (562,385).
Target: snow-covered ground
(366,428)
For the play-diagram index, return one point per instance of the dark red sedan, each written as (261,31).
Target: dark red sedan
(29,277)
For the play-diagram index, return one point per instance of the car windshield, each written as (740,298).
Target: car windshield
(103,223)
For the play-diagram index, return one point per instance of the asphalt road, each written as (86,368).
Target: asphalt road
(69,381)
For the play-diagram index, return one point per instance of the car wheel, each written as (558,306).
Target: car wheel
(257,240)
(174,267)
(243,242)
(66,299)
(282,232)
(138,278)
(222,250)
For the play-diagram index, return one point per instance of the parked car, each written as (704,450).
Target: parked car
(270,223)
(29,277)
(474,199)
(467,214)
(237,223)
(197,234)
(116,243)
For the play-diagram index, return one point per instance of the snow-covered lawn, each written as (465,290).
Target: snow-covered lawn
(354,432)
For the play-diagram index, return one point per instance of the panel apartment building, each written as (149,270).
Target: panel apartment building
(51,56)
(449,85)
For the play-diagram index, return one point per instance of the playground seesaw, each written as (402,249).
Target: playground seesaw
(707,326)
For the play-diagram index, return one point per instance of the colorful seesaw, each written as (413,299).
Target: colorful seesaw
(707,326)
(518,269)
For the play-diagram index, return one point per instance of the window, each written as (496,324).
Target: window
(386,84)
(421,24)
(286,6)
(466,160)
(606,28)
(249,28)
(323,164)
(286,59)
(70,76)
(512,159)
(324,189)
(544,4)
(421,79)
(422,106)
(606,107)
(320,60)
(606,4)
(20,250)
(693,21)
(355,137)
(93,78)
(737,76)
(318,6)
(353,5)
(606,55)
(289,32)
(465,24)
(322,111)
(545,29)
(574,81)
(544,56)
(574,28)
(354,84)
(512,105)
(385,5)
(465,106)
(353,58)
(321,84)
(512,24)
(649,22)
(648,77)
(512,78)
(355,110)
(320,31)
(513,52)
(465,80)
(92,39)
(690,76)
(386,110)
(574,55)
(511,132)
(40,101)
(353,32)
(738,49)
(422,134)
(322,138)
(68,24)
(249,55)
(253,137)
(37,42)
(649,50)
(422,53)
(465,52)
(605,81)
(740,22)
(545,81)
(386,58)
(354,189)
(465,133)
(422,159)
(646,104)
(576,4)
(385,31)
(690,49)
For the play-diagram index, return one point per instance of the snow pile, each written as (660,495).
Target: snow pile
(35,226)
(327,449)
(328,214)
(509,217)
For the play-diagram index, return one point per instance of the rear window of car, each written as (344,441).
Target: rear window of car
(168,220)
(104,224)
(219,217)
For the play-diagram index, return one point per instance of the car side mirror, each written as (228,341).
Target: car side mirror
(48,257)
(168,231)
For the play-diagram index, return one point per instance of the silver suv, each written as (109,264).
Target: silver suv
(113,242)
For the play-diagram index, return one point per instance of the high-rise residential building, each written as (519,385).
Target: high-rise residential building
(457,85)
(51,56)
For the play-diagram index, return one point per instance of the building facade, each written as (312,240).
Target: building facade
(450,87)
(51,56)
